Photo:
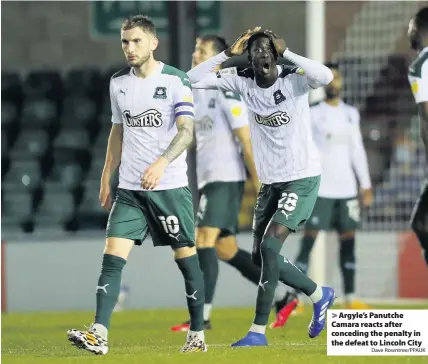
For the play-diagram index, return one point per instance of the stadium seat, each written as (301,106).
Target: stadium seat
(91,203)
(43,84)
(10,118)
(96,169)
(30,143)
(100,144)
(23,175)
(64,177)
(9,112)
(5,163)
(72,138)
(67,156)
(83,82)
(92,185)
(56,208)
(105,111)
(91,215)
(16,209)
(64,156)
(78,111)
(11,87)
(39,113)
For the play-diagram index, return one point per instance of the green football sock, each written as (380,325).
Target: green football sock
(302,261)
(292,276)
(194,283)
(243,263)
(208,261)
(306,245)
(268,281)
(108,288)
(347,265)
(275,267)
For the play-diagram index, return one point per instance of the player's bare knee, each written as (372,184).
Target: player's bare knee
(184,252)
(226,247)
(203,242)
(311,233)
(206,237)
(346,235)
(118,247)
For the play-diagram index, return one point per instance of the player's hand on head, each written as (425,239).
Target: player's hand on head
(105,196)
(240,45)
(153,174)
(278,42)
(367,197)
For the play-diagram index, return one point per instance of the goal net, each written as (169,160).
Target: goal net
(374,59)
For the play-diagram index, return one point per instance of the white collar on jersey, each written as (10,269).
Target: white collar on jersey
(340,104)
(157,72)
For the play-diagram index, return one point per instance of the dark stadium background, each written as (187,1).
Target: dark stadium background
(55,109)
(57,60)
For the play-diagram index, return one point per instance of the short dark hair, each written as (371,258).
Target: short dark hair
(256,36)
(421,19)
(141,21)
(332,65)
(219,43)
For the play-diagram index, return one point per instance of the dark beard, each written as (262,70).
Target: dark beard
(139,63)
(414,44)
(415,40)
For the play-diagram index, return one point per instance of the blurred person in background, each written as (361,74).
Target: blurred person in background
(337,134)
(152,116)
(418,79)
(286,157)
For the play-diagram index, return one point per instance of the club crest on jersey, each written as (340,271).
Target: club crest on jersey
(211,104)
(160,93)
(278,97)
(274,120)
(149,119)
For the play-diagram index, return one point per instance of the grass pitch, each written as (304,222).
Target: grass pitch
(144,337)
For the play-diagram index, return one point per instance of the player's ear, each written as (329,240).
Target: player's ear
(250,61)
(154,43)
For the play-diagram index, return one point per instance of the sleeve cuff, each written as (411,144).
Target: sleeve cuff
(287,53)
(223,56)
(366,185)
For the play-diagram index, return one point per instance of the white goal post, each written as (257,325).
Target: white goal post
(315,49)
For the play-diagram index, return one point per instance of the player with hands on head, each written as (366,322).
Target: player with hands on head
(223,150)
(286,157)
